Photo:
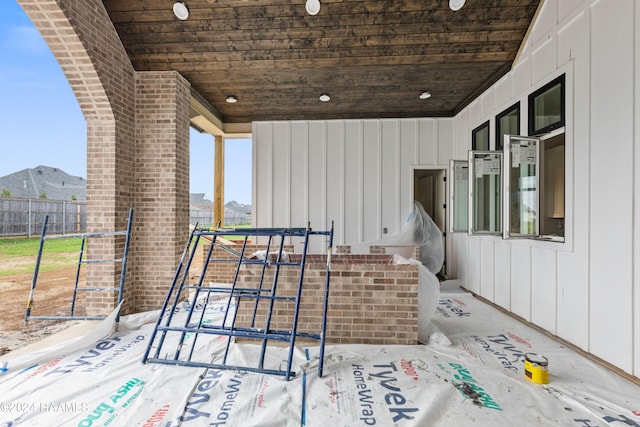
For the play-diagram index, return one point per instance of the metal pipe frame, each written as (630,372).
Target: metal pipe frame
(171,352)
(76,288)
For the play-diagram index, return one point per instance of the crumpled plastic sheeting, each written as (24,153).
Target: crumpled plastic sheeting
(418,230)
(428,295)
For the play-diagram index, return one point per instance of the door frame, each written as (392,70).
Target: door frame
(445,209)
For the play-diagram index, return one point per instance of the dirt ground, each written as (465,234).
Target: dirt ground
(53,292)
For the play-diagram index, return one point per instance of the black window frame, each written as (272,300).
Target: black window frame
(553,126)
(474,134)
(499,143)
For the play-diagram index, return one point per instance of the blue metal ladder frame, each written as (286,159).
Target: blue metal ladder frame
(194,326)
(81,260)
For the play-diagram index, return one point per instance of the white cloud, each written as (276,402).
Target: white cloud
(25,38)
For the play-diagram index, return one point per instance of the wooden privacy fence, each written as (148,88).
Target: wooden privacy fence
(25,217)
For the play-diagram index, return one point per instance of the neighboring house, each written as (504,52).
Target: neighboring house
(202,211)
(237,213)
(45,182)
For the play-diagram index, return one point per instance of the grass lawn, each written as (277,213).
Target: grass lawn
(18,254)
(27,246)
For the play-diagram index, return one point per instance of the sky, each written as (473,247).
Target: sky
(41,122)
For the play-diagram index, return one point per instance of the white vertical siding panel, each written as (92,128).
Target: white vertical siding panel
(428,142)
(503,92)
(317,178)
(462,135)
(521,281)
(522,78)
(455,260)
(475,265)
(408,148)
(636,234)
(445,142)
(502,273)
(547,19)
(573,267)
(262,185)
(611,168)
(371,180)
(475,117)
(461,245)
(487,271)
(281,174)
(488,102)
(566,9)
(543,288)
(299,174)
(544,60)
(573,298)
(335,178)
(573,37)
(390,177)
(353,184)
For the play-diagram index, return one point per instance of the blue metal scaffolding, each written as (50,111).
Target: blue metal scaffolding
(174,339)
(78,288)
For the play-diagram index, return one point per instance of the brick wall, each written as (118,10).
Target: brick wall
(123,169)
(224,272)
(370,301)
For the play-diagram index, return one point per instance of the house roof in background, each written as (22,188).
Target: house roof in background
(52,182)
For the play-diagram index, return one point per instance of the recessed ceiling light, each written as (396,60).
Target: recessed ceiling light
(232,99)
(325,98)
(313,7)
(180,10)
(456,4)
(425,95)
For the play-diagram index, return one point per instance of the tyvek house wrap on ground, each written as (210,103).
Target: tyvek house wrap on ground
(470,373)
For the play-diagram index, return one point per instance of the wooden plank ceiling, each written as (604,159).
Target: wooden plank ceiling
(373,57)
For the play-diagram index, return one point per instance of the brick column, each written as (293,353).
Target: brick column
(137,150)
(162,176)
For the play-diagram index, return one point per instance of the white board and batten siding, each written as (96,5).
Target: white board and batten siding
(356,173)
(585,290)
(359,174)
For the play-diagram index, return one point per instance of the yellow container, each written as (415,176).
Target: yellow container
(536,368)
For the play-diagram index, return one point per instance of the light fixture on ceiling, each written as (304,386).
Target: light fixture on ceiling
(180,10)
(325,98)
(456,4)
(232,99)
(312,6)
(425,95)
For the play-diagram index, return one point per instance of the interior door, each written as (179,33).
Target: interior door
(429,188)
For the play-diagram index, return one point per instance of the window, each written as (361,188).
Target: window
(485,192)
(459,195)
(480,137)
(507,123)
(552,202)
(534,187)
(521,183)
(546,107)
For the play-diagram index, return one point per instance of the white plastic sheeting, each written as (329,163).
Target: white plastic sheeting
(418,230)
(478,379)
(428,295)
